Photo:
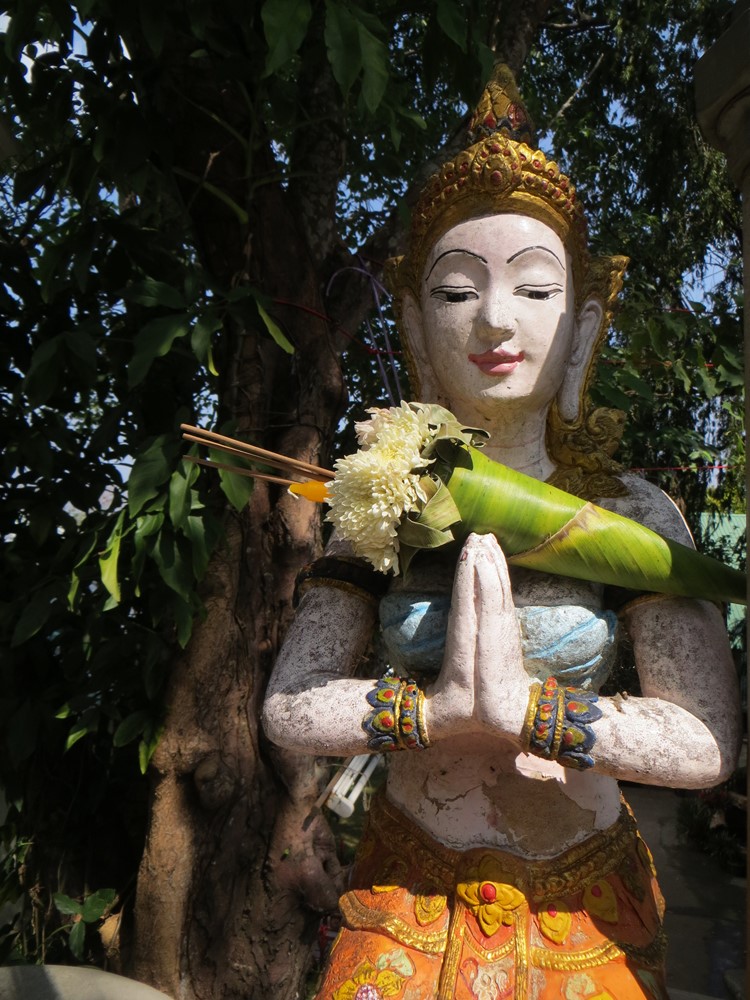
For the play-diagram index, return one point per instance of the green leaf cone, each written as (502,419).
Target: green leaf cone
(544,528)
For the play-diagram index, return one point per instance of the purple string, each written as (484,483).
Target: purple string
(377,289)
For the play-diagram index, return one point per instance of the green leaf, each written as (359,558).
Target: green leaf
(285,25)
(342,45)
(151,292)
(174,568)
(195,529)
(179,491)
(439,512)
(451,17)
(375,62)
(707,382)
(95,905)
(275,330)
(183,617)
(77,939)
(88,723)
(130,727)
(21,732)
(109,560)
(149,524)
(154,341)
(731,377)
(200,338)
(35,614)
(422,536)
(64,904)
(147,747)
(82,351)
(153,23)
(237,489)
(543,528)
(681,372)
(44,371)
(659,336)
(75,579)
(412,116)
(151,469)
(637,384)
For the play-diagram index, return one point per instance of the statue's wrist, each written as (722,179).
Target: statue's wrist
(558,724)
(396,717)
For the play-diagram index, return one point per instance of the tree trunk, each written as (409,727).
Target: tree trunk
(237,866)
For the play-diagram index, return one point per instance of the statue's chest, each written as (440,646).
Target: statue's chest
(565,632)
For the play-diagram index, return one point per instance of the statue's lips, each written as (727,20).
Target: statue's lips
(497,362)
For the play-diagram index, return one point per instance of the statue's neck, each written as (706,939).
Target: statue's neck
(517,438)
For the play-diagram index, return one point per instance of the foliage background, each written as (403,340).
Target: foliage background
(197,202)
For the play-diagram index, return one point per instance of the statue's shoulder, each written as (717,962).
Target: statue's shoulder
(646,503)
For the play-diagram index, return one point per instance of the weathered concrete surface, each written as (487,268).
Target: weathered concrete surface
(59,982)
(705,918)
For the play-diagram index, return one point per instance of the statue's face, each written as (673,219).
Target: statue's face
(497,312)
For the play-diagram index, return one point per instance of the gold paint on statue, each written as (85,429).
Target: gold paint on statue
(361,917)
(428,907)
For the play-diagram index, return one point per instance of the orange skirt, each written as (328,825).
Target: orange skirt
(421,920)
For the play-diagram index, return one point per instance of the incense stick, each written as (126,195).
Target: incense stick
(251,473)
(211,439)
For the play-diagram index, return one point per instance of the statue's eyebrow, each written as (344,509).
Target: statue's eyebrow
(527,249)
(455,250)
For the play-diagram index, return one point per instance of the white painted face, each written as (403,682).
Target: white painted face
(496,321)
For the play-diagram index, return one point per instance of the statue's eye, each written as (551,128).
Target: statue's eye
(453,295)
(539,294)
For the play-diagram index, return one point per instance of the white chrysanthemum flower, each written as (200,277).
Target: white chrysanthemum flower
(375,487)
(400,421)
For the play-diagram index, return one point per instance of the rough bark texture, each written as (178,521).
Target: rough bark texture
(517,26)
(236,867)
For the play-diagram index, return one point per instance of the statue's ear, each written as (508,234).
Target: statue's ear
(585,336)
(421,374)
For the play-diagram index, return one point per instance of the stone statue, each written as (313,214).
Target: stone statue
(501,860)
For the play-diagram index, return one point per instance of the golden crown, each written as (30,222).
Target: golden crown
(500,171)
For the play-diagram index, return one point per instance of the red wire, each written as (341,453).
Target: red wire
(331,322)
(678,468)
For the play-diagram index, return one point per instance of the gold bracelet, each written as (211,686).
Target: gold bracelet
(421,724)
(559,722)
(528,722)
(395,720)
(397,716)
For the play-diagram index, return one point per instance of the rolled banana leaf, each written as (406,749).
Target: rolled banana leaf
(544,528)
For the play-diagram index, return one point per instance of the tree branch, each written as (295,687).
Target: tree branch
(582,85)
(518,24)
(585,23)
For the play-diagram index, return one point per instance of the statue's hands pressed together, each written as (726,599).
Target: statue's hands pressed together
(483,686)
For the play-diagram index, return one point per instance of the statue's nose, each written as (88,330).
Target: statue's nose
(497,321)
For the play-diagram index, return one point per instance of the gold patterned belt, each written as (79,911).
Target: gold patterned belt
(539,880)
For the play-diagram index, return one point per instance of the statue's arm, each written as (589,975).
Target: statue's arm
(313,703)
(685,729)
